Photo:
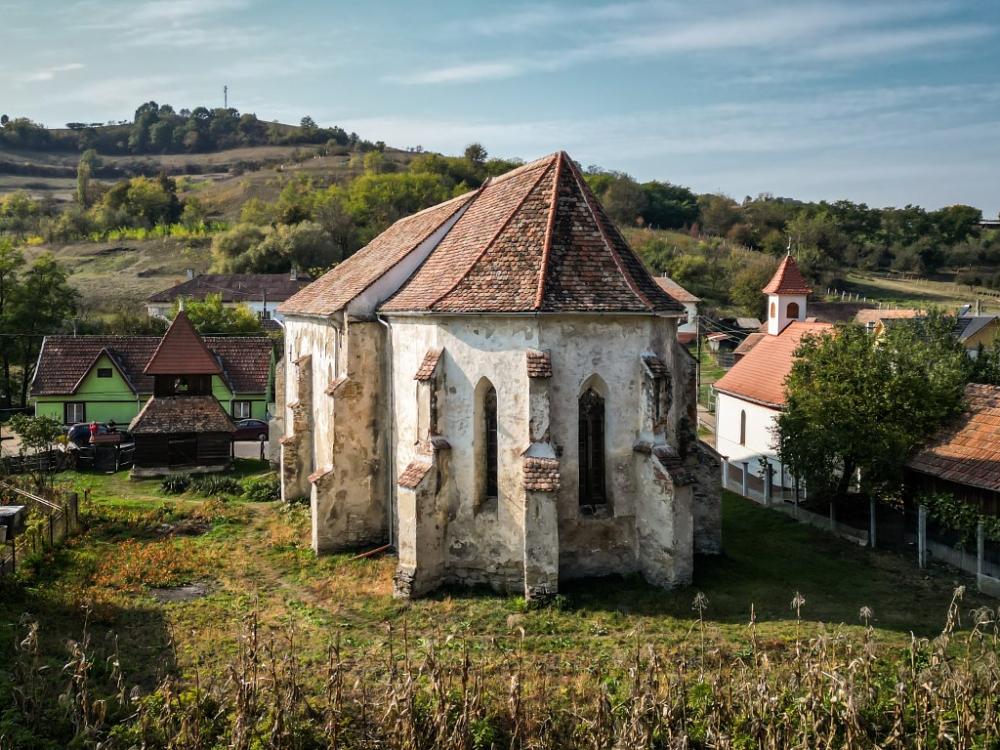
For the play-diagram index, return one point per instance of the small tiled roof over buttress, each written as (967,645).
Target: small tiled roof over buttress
(967,450)
(788,279)
(760,375)
(533,240)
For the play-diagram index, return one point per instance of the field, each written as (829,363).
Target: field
(920,293)
(166,586)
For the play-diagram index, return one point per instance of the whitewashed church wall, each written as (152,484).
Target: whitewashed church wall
(760,439)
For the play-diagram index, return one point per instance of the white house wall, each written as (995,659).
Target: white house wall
(760,438)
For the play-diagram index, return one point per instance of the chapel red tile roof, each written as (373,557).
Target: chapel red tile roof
(534,239)
(675,290)
(788,279)
(65,361)
(182,351)
(760,375)
(967,450)
(335,289)
(746,345)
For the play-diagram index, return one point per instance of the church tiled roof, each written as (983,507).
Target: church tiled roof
(788,279)
(181,351)
(532,240)
(535,239)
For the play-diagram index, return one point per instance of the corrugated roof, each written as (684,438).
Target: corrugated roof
(967,450)
(788,279)
(65,361)
(675,290)
(235,287)
(760,374)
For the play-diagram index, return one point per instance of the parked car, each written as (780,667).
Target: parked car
(78,436)
(251,429)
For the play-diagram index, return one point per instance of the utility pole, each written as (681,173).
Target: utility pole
(225,97)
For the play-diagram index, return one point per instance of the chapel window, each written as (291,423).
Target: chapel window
(593,492)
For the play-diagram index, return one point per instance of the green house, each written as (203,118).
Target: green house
(100,378)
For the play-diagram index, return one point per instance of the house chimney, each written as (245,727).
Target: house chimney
(294,275)
(190,273)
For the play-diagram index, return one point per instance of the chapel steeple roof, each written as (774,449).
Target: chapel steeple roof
(182,352)
(788,279)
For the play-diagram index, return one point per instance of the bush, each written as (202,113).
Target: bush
(175,484)
(262,489)
(216,485)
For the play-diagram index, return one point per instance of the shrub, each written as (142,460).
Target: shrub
(175,484)
(216,485)
(262,489)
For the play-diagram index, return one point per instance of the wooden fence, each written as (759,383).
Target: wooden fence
(50,520)
(45,461)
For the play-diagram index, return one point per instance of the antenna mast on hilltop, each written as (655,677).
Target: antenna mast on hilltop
(225,97)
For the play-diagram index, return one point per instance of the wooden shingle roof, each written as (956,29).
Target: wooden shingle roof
(967,450)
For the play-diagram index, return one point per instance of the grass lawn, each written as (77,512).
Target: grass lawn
(256,556)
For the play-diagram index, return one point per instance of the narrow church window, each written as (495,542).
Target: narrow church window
(793,310)
(591,436)
(743,427)
(774,311)
(490,441)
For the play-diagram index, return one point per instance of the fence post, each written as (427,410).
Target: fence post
(980,554)
(745,487)
(922,536)
(871,522)
(767,482)
(52,532)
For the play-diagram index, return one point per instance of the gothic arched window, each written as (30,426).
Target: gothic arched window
(490,444)
(593,489)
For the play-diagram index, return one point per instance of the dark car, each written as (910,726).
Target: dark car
(251,429)
(79,434)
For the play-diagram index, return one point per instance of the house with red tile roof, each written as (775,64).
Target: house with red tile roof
(494,387)
(687,331)
(963,457)
(751,395)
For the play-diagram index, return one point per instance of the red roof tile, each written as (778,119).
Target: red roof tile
(175,414)
(675,290)
(865,317)
(335,289)
(429,364)
(65,361)
(788,279)
(534,239)
(181,351)
(413,474)
(967,450)
(760,375)
(236,287)
(541,474)
(539,364)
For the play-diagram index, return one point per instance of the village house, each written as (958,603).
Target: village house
(101,378)
(687,331)
(494,386)
(261,292)
(182,427)
(751,395)
(963,457)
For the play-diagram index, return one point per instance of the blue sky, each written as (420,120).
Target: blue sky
(883,101)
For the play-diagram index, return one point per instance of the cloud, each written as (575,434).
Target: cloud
(815,33)
(47,74)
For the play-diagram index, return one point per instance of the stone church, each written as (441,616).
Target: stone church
(494,387)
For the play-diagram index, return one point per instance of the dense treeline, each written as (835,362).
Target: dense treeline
(159,129)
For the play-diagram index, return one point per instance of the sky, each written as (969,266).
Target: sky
(887,102)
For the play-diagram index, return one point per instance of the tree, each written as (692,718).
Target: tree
(37,434)
(717,214)
(210,316)
(41,302)
(11,261)
(860,403)
(88,162)
(476,154)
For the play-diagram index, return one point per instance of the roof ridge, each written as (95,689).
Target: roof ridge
(497,179)
(584,189)
(493,239)
(549,226)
